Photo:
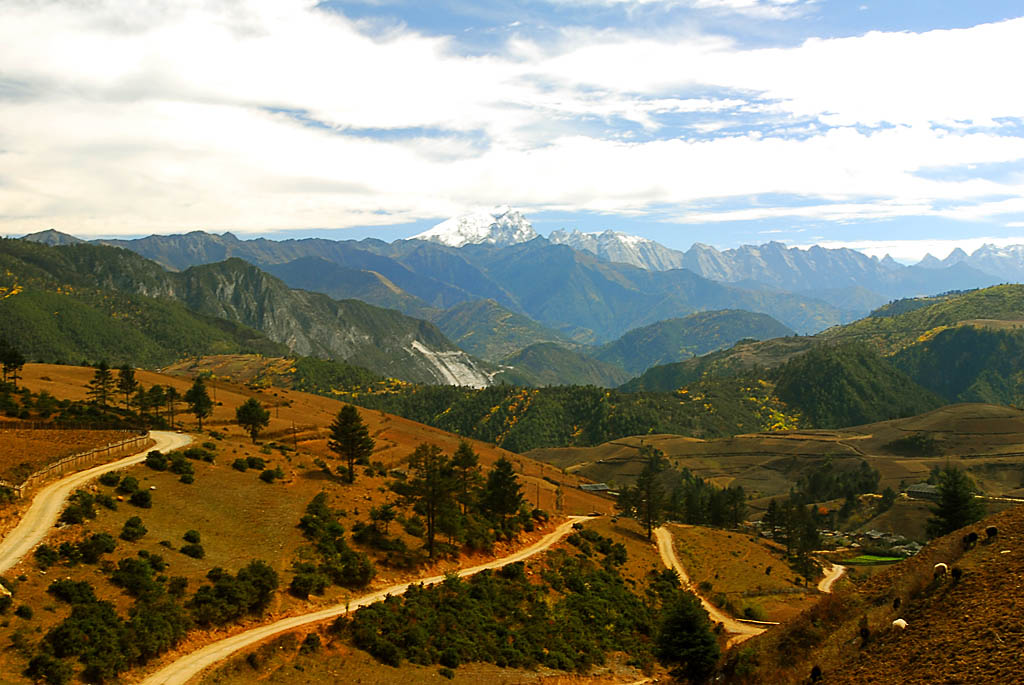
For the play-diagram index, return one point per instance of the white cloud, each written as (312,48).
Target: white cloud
(133,117)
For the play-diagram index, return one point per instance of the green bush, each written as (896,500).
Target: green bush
(193,550)
(142,499)
(110,479)
(191,536)
(24,611)
(128,485)
(270,475)
(156,460)
(240,464)
(133,529)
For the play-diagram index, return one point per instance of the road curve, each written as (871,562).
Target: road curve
(190,665)
(742,631)
(47,503)
(834,574)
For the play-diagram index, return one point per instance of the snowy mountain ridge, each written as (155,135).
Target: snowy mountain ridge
(501,226)
(613,246)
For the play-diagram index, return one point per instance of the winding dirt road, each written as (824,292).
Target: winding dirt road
(834,574)
(742,631)
(190,665)
(47,503)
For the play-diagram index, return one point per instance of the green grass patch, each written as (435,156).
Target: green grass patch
(872,559)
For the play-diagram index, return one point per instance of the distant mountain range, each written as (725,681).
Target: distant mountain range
(491,284)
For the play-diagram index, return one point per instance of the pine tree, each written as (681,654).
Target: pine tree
(429,488)
(649,496)
(101,386)
(199,401)
(252,416)
(126,384)
(502,495)
(685,640)
(957,506)
(172,396)
(350,438)
(12,361)
(466,463)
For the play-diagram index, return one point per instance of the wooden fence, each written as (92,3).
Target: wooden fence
(74,462)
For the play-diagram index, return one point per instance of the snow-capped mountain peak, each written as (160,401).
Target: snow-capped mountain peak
(614,246)
(500,226)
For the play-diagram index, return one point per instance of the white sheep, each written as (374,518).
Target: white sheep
(940,570)
(899,623)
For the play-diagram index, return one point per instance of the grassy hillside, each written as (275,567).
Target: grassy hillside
(487,330)
(306,323)
(546,364)
(968,364)
(960,346)
(891,333)
(237,516)
(697,334)
(56,313)
(848,385)
(965,630)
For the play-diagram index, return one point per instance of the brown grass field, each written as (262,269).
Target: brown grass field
(24,451)
(735,565)
(986,440)
(241,518)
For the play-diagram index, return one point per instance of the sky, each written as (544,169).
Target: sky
(890,126)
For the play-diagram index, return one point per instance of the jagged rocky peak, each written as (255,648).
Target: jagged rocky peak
(52,237)
(614,246)
(500,226)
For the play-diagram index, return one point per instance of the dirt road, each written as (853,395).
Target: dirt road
(47,503)
(742,631)
(834,574)
(190,665)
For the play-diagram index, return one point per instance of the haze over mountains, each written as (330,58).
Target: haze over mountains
(571,308)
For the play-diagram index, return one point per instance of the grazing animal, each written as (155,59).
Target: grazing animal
(940,570)
(899,623)
(957,573)
(896,603)
(991,532)
(970,539)
(816,674)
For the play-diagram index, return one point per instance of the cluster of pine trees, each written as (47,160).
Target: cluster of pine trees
(661,492)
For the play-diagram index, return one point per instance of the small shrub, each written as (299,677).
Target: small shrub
(240,464)
(106,501)
(310,644)
(156,460)
(176,586)
(128,485)
(45,556)
(255,462)
(142,499)
(24,611)
(191,536)
(188,479)
(194,551)
(110,479)
(212,446)
(446,672)
(270,475)
(133,529)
